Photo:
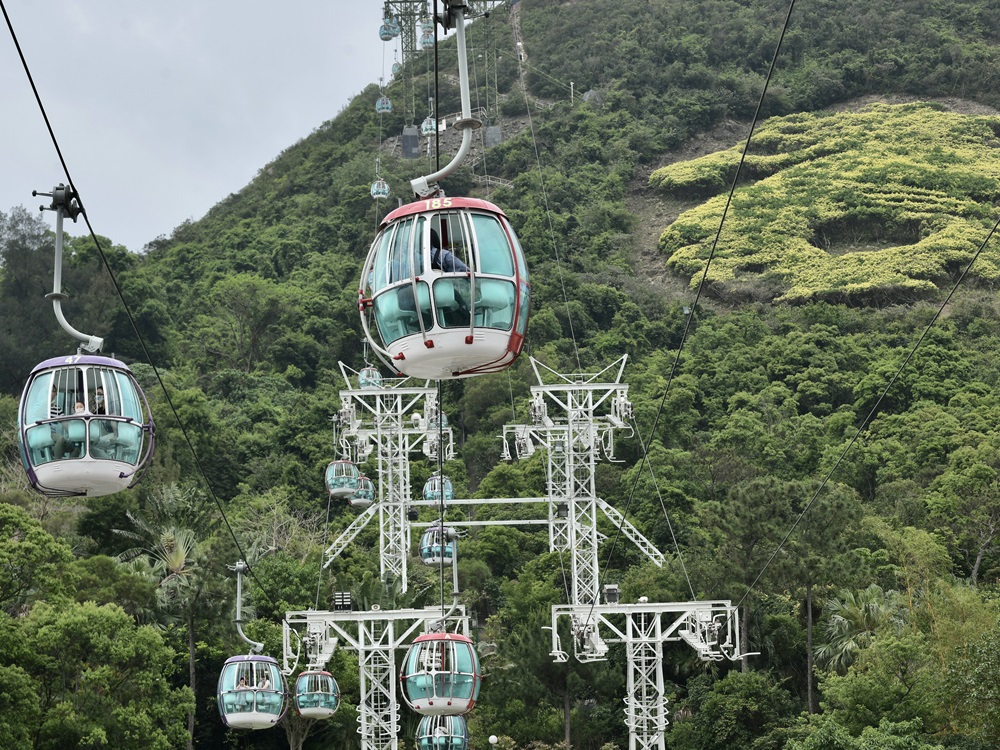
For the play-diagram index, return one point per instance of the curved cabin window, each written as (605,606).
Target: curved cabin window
(396,311)
(399,256)
(495,255)
(522,318)
(452,233)
(451,299)
(494,303)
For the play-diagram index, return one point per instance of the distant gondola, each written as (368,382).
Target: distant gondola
(317,695)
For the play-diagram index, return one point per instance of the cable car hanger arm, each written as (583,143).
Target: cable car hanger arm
(426,186)
(64,201)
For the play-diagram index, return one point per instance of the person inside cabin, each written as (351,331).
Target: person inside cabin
(264,683)
(79,408)
(443,259)
(99,405)
(242,684)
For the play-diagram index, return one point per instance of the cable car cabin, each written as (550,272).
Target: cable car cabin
(441,675)
(84,427)
(442,733)
(432,551)
(441,423)
(252,692)
(364,495)
(380,189)
(317,695)
(438,489)
(445,289)
(369,377)
(342,479)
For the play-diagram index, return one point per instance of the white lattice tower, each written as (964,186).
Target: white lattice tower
(711,628)
(378,715)
(558,486)
(645,706)
(393,420)
(574,418)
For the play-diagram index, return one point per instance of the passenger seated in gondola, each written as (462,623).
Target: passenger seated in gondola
(102,431)
(444,259)
(453,306)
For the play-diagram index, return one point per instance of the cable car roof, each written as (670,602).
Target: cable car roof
(76,360)
(440,204)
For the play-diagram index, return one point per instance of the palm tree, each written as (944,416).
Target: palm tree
(168,534)
(853,621)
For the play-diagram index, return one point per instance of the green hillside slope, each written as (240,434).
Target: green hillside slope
(795,465)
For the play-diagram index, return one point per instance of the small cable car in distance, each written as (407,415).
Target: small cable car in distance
(438,489)
(342,478)
(445,289)
(440,675)
(442,733)
(369,377)
(436,546)
(85,427)
(317,695)
(252,692)
(364,495)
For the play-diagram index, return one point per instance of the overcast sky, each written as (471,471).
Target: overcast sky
(162,109)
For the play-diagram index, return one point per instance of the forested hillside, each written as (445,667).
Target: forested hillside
(811,460)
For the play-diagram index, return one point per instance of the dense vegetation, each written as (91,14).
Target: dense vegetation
(878,206)
(863,219)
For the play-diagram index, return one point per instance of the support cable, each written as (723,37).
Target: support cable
(545,203)
(704,276)
(326,532)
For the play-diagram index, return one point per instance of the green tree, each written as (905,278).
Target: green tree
(100,680)
(32,562)
(733,712)
(966,505)
(170,535)
(852,621)
(741,533)
(818,548)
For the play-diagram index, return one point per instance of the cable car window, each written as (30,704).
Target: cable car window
(451,299)
(494,248)
(37,404)
(396,311)
(380,270)
(494,304)
(417,250)
(453,235)
(123,398)
(522,269)
(401,253)
(522,318)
